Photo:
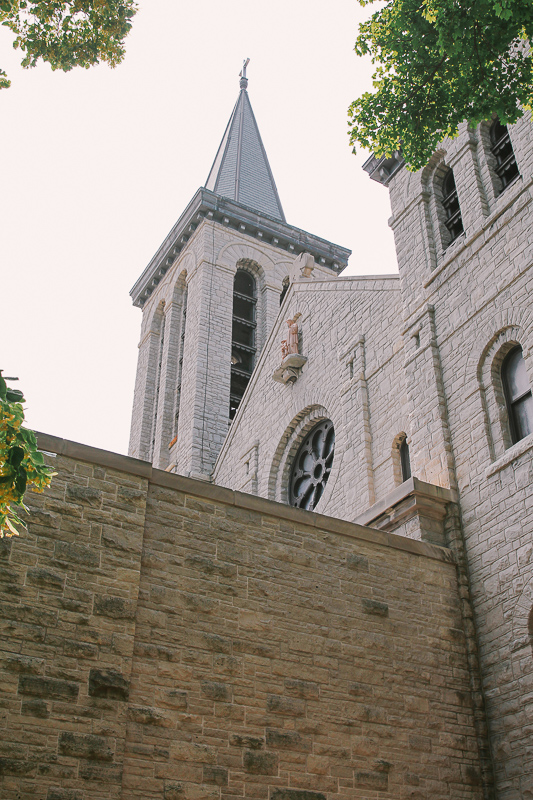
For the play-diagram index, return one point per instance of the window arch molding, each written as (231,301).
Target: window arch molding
(493,184)
(293,436)
(442,210)
(432,180)
(401,463)
(491,388)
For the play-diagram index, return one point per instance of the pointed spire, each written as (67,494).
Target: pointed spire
(241,170)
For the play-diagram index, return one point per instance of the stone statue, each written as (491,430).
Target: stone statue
(291,360)
(293,334)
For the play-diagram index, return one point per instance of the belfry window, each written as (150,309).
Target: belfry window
(450,203)
(517,394)
(242,337)
(502,150)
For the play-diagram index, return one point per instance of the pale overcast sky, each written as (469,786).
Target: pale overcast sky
(98,164)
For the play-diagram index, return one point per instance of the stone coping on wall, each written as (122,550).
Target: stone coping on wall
(416,504)
(422,491)
(133,466)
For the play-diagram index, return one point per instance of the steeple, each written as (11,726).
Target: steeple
(241,170)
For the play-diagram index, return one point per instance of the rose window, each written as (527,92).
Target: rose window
(312,466)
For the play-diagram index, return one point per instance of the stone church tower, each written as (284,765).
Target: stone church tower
(210,297)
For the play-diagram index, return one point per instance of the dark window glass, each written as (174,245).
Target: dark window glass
(517,395)
(243,337)
(405,461)
(312,467)
(243,333)
(450,203)
(243,307)
(284,290)
(244,283)
(502,150)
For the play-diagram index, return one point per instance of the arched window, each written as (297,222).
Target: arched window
(243,337)
(285,289)
(517,394)
(450,203)
(502,150)
(405,461)
(312,466)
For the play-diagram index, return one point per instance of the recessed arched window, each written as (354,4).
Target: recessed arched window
(517,394)
(500,144)
(243,336)
(312,466)
(450,203)
(284,290)
(405,461)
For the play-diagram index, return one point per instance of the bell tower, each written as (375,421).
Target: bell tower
(209,297)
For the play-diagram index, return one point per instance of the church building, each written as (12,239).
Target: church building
(312,578)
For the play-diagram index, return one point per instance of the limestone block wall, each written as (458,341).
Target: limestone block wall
(350,332)
(466,308)
(164,638)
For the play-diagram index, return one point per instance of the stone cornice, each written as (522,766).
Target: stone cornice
(382,169)
(263,228)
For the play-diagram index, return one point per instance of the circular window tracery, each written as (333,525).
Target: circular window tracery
(312,466)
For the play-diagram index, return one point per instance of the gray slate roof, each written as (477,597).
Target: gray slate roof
(241,170)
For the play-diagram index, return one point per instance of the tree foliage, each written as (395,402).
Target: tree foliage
(439,62)
(68,33)
(22,466)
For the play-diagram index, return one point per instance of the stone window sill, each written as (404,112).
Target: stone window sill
(513,452)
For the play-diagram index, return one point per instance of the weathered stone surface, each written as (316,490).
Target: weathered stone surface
(35,708)
(299,688)
(48,687)
(259,762)
(371,780)
(296,794)
(85,495)
(216,691)
(56,793)
(375,607)
(215,702)
(102,773)
(356,562)
(252,742)
(17,767)
(188,791)
(77,554)
(27,664)
(108,683)
(114,607)
(45,577)
(286,740)
(285,705)
(145,715)
(216,775)
(96,748)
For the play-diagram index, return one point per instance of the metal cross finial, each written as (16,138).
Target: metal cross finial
(242,74)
